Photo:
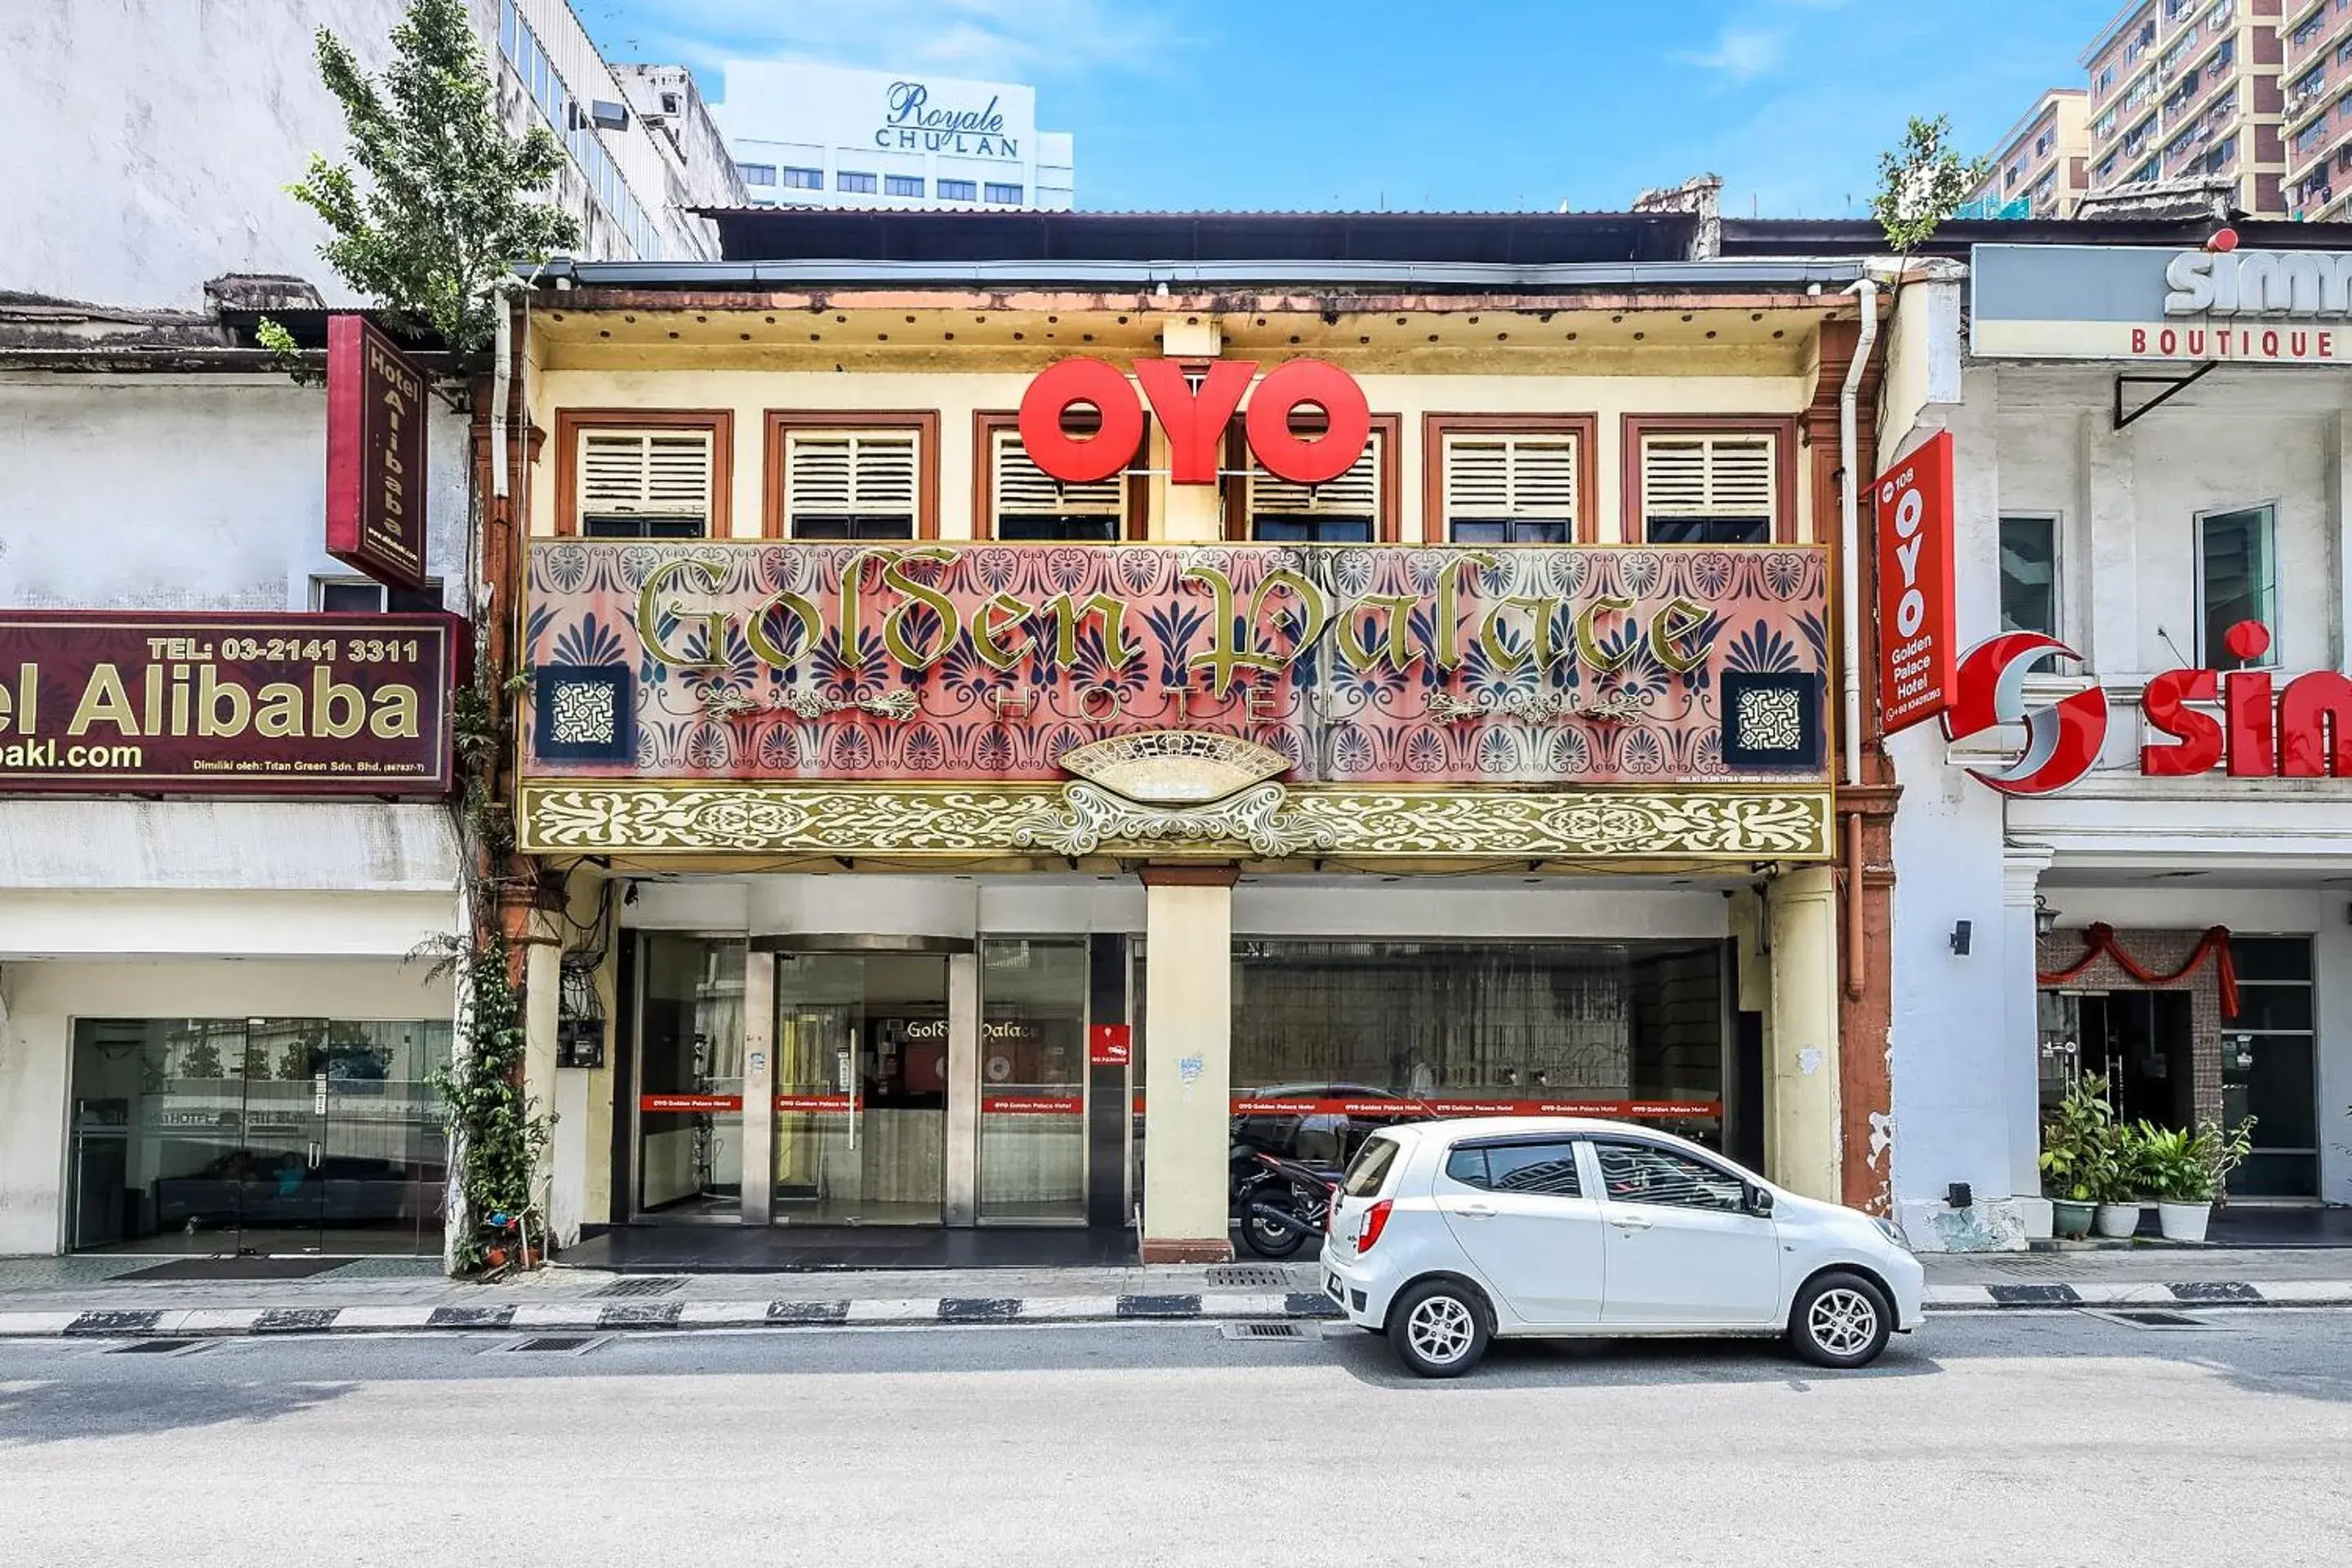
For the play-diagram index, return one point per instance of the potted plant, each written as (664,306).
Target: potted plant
(2189,1170)
(2119,1186)
(2077,1147)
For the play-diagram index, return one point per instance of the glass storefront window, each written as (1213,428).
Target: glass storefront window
(691,1077)
(2268,1058)
(208,1135)
(1327,1035)
(1033,1124)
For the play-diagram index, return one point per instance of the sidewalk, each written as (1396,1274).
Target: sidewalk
(86,1296)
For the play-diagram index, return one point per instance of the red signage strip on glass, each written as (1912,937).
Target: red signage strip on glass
(1031,1105)
(817,1104)
(674,1103)
(149,703)
(375,455)
(1916,656)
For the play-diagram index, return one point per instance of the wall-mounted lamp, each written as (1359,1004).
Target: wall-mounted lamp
(1962,930)
(2045,918)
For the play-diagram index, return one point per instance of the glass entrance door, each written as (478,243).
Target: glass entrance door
(861,1088)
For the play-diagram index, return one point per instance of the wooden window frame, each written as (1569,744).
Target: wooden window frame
(1635,524)
(1135,507)
(1387,525)
(1436,528)
(784,422)
(720,422)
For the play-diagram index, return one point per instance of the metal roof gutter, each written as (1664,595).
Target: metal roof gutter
(1743,272)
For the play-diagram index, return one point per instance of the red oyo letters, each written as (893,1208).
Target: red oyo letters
(1195,421)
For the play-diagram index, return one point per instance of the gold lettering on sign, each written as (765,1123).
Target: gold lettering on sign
(988,638)
(714,632)
(1678,619)
(894,625)
(1395,649)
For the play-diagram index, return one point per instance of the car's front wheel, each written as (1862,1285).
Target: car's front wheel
(1840,1320)
(1438,1328)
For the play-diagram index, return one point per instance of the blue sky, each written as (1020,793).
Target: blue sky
(1438,104)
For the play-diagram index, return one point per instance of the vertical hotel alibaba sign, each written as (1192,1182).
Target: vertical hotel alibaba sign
(375,455)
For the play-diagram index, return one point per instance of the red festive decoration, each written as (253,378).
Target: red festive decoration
(2099,941)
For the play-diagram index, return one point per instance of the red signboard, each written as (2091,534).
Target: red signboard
(1916,615)
(1110,1044)
(148,702)
(375,455)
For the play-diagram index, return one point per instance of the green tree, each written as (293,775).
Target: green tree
(1922,183)
(439,202)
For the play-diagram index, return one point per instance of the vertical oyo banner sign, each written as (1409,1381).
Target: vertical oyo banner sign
(375,455)
(1915,653)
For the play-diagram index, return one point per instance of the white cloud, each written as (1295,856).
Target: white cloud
(1741,53)
(1021,40)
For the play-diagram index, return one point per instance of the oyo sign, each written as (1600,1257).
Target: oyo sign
(1915,586)
(1195,419)
(2302,732)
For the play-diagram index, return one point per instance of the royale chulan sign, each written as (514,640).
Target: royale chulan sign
(1195,418)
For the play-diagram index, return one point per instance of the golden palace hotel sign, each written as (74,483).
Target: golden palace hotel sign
(1228,701)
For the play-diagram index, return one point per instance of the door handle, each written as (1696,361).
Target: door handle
(1631,1221)
(314,1156)
(1476,1211)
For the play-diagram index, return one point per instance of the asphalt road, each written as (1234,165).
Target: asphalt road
(2010,1439)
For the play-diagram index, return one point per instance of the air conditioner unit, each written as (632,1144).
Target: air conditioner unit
(610,116)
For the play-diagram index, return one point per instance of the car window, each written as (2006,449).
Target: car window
(1370,1167)
(1645,1174)
(1546,1168)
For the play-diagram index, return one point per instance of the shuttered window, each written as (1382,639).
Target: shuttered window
(1347,511)
(1709,489)
(644,484)
(851,484)
(1030,503)
(1511,490)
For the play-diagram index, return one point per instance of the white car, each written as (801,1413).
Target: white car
(1446,1235)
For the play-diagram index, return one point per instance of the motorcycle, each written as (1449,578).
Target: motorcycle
(1281,1204)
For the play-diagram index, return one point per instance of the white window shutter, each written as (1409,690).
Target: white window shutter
(1496,477)
(846,473)
(1708,475)
(1356,493)
(1019,487)
(644,473)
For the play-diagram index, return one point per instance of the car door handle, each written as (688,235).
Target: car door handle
(1631,1221)
(1476,1211)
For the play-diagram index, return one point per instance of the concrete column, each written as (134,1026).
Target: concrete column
(542,979)
(1801,1107)
(962,1204)
(1187,925)
(2021,1030)
(2108,551)
(759,1178)
(2339,513)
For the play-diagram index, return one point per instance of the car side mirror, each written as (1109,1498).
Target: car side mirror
(1760,1202)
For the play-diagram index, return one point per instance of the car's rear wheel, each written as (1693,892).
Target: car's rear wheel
(1840,1320)
(1438,1328)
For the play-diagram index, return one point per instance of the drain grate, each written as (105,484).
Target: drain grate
(1262,1331)
(1255,1276)
(158,1347)
(555,1344)
(2153,1318)
(641,1285)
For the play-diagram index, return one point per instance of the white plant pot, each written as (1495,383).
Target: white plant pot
(2116,1220)
(2183,1221)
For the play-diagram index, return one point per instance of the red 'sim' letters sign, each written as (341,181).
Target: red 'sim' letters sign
(375,455)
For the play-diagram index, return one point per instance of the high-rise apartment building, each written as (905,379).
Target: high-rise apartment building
(2186,97)
(2043,165)
(809,135)
(2317,130)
